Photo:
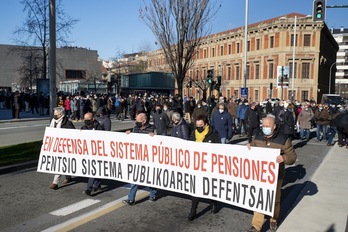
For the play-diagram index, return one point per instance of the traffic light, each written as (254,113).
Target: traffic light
(190,84)
(318,10)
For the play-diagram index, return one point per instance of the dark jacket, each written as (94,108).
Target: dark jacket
(222,123)
(288,125)
(161,122)
(322,117)
(67,124)
(211,137)
(252,118)
(148,128)
(180,130)
(278,140)
(104,121)
(94,126)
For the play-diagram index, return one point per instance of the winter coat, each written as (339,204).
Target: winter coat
(161,122)
(242,110)
(304,118)
(252,118)
(288,122)
(279,141)
(198,111)
(211,137)
(222,123)
(180,130)
(104,121)
(95,126)
(322,117)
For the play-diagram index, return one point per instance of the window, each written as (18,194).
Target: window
(257,71)
(290,94)
(307,40)
(212,52)
(270,70)
(75,74)
(305,71)
(221,50)
(237,45)
(271,42)
(228,94)
(290,69)
(228,72)
(304,96)
(205,53)
(229,49)
(247,74)
(197,55)
(248,46)
(257,44)
(256,95)
(292,40)
(236,94)
(237,72)
(204,73)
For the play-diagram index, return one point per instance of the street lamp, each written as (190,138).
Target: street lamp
(330,76)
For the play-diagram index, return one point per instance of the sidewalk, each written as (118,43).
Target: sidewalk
(6,116)
(323,202)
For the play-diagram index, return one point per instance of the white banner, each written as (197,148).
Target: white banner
(227,173)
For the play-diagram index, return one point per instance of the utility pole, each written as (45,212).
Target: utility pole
(52,57)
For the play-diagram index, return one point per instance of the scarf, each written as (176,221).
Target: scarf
(201,136)
(57,123)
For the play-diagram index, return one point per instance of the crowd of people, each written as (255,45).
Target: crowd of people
(216,120)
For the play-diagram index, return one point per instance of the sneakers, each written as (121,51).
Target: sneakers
(67,181)
(273,226)
(128,202)
(87,192)
(53,186)
(152,199)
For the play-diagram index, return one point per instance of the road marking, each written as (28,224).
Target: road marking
(87,217)
(74,207)
(18,127)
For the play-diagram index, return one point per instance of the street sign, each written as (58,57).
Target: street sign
(283,76)
(244,92)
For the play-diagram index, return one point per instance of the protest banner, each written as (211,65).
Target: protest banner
(223,172)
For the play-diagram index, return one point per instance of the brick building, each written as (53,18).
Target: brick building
(269,45)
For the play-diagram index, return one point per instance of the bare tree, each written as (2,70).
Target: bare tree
(179,26)
(35,29)
(30,68)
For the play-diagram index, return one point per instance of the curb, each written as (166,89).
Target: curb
(18,167)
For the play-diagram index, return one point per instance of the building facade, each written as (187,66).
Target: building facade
(74,64)
(269,46)
(341,65)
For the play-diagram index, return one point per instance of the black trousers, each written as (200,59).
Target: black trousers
(195,202)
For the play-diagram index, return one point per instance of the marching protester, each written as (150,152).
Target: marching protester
(322,119)
(272,137)
(206,134)
(60,121)
(252,120)
(91,124)
(103,119)
(142,126)
(221,121)
(179,129)
(304,121)
(160,120)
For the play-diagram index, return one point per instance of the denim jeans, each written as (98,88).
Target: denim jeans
(304,133)
(133,192)
(223,140)
(332,133)
(324,128)
(93,183)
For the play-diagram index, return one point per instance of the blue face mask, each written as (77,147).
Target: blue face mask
(267,130)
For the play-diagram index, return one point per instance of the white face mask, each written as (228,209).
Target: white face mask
(221,111)
(267,130)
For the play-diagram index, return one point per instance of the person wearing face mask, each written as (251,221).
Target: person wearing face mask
(322,119)
(198,110)
(142,126)
(272,137)
(221,121)
(91,124)
(179,129)
(103,119)
(242,109)
(160,120)
(288,119)
(60,121)
(206,134)
(334,113)
(304,121)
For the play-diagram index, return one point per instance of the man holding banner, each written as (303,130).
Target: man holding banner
(142,126)
(272,137)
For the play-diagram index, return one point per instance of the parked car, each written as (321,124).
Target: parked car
(273,100)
